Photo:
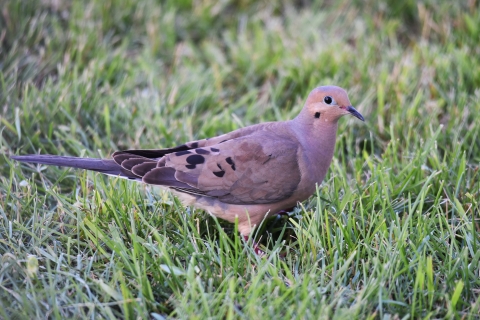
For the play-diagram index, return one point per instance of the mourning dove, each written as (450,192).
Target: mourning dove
(247,174)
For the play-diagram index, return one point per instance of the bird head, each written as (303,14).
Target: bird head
(328,104)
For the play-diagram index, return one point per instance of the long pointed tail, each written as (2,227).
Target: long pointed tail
(106,166)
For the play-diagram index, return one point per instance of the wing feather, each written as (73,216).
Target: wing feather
(236,168)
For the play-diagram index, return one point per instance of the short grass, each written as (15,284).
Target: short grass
(392,233)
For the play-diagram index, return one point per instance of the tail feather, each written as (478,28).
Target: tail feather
(106,166)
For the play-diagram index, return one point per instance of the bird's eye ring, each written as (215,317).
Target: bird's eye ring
(328,100)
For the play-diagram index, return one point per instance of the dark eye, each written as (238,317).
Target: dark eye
(328,100)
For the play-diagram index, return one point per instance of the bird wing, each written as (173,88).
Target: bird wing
(253,167)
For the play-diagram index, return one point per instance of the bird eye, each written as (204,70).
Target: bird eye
(328,100)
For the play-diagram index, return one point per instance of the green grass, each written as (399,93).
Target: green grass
(392,233)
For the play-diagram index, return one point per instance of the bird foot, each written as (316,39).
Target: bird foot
(256,248)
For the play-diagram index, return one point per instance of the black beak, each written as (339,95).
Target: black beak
(355,113)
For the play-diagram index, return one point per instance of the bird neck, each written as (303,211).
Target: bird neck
(318,141)
(316,136)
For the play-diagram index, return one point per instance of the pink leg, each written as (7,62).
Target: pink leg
(256,247)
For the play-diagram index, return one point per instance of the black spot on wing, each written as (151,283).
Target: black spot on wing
(219,173)
(215,149)
(193,160)
(231,163)
(194,145)
(202,151)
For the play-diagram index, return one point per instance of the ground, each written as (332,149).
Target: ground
(392,233)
